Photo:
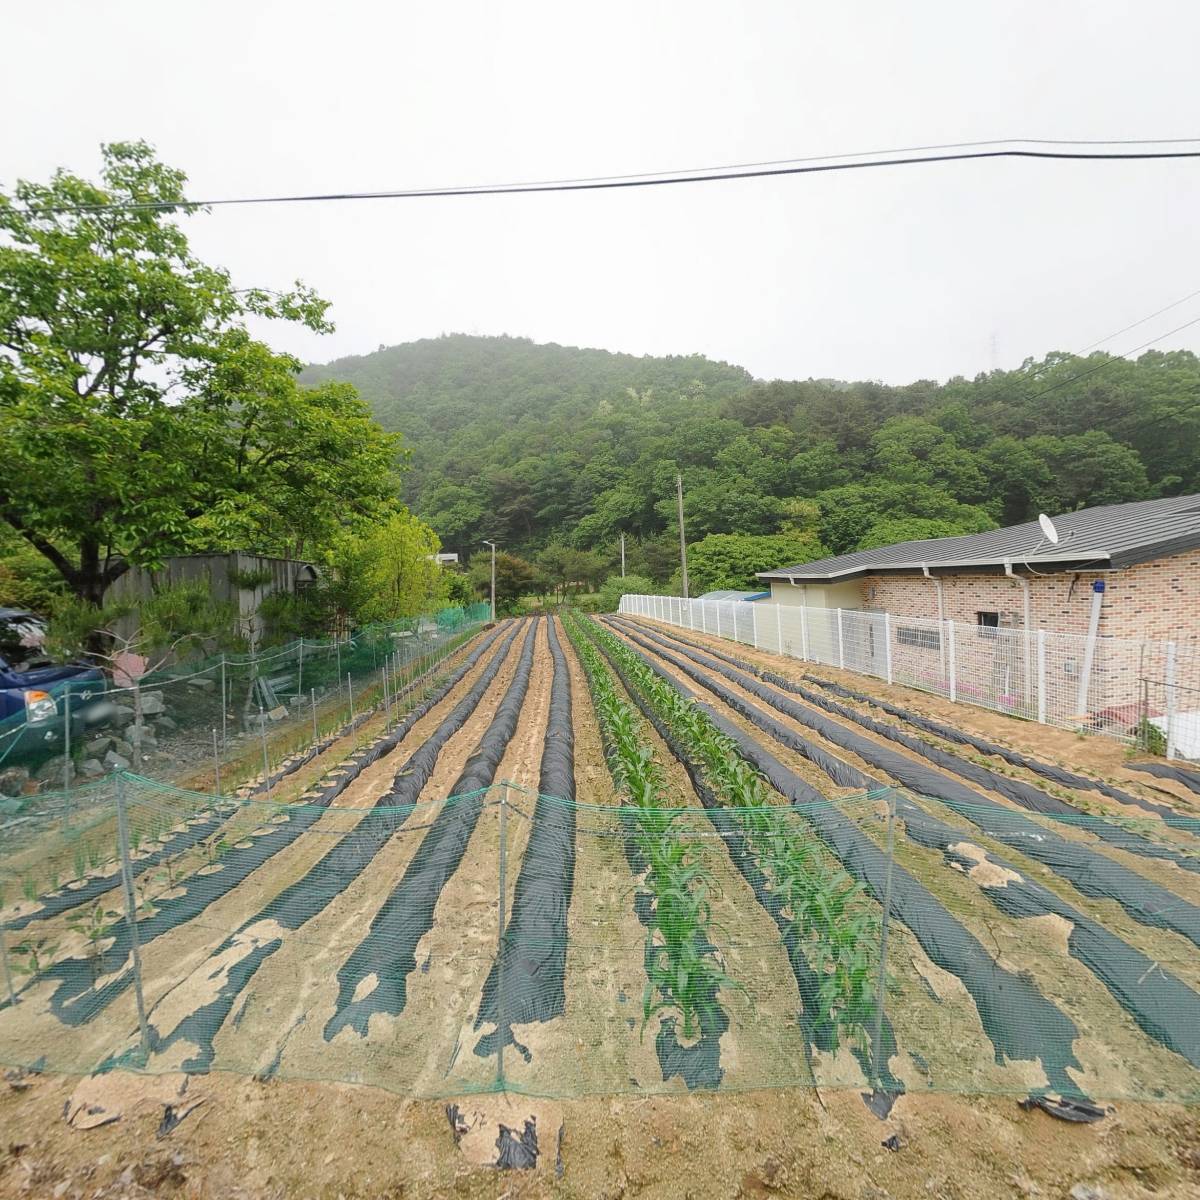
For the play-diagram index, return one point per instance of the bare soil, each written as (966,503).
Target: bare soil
(283,1140)
(302,1135)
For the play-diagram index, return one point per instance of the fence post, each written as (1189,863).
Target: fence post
(1041,674)
(754,623)
(951,669)
(350,693)
(501,932)
(887,644)
(67,749)
(691,616)
(316,736)
(300,672)
(224,708)
(131,912)
(779,627)
(881,985)
(804,632)
(703,617)
(216,767)
(718,603)
(1171,699)
(262,730)
(841,642)
(8,983)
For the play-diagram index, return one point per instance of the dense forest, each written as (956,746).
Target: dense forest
(537,445)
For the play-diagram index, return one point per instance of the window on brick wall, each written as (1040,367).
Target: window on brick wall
(925,639)
(988,623)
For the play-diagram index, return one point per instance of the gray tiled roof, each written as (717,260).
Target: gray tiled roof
(1113,535)
(728,594)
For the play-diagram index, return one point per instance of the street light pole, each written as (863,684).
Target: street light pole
(622,556)
(682,538)
(493,546)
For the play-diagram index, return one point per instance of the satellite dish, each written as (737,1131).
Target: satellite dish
(1048,530)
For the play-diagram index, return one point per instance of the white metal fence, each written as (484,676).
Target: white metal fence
(1118,686)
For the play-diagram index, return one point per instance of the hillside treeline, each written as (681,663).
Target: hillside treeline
(540,444)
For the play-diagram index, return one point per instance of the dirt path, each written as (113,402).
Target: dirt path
(278,1141)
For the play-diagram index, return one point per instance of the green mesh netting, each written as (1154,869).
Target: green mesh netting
(179,724)
(345,934)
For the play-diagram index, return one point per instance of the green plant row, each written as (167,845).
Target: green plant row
(830,921)
(683,967)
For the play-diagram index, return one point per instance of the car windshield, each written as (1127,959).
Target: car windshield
(21,639)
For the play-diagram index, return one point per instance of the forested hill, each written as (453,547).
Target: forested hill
(534,444)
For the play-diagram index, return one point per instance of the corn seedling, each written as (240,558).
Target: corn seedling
(683,969)
(832,926)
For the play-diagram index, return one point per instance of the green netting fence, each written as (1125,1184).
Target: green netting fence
(236,716)
(507,940)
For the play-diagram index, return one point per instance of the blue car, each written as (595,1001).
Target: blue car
(38,697)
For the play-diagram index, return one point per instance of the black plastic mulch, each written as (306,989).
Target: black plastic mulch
(76,1000)
(535,939)
(389,949)
(1094,875)
(337,870)
(1018,1020)
(1189,779)
(1055,774)
(198,830)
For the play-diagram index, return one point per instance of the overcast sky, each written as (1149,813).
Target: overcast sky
(911,273)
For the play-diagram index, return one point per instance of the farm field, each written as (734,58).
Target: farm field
(689,842)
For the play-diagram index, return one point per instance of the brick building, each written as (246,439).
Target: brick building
(1132,568)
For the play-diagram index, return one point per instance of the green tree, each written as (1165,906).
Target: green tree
(912,529)
(569,570)
(730,560)
(849,513)
(515,577)
(389,571)
(1087,469)
(138,417)
(616,586)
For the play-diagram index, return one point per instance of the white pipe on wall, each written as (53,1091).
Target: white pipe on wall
(1089,650)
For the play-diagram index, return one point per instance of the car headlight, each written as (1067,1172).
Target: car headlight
(39,706)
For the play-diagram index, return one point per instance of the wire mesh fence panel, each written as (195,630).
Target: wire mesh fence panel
(1111,686)
(239,717)
(883,941)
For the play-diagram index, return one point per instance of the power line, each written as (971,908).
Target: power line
(1142,321)
(824,164)
(1115,359)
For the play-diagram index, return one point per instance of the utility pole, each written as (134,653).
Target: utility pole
(682,537)
(493,546)
(622,556)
